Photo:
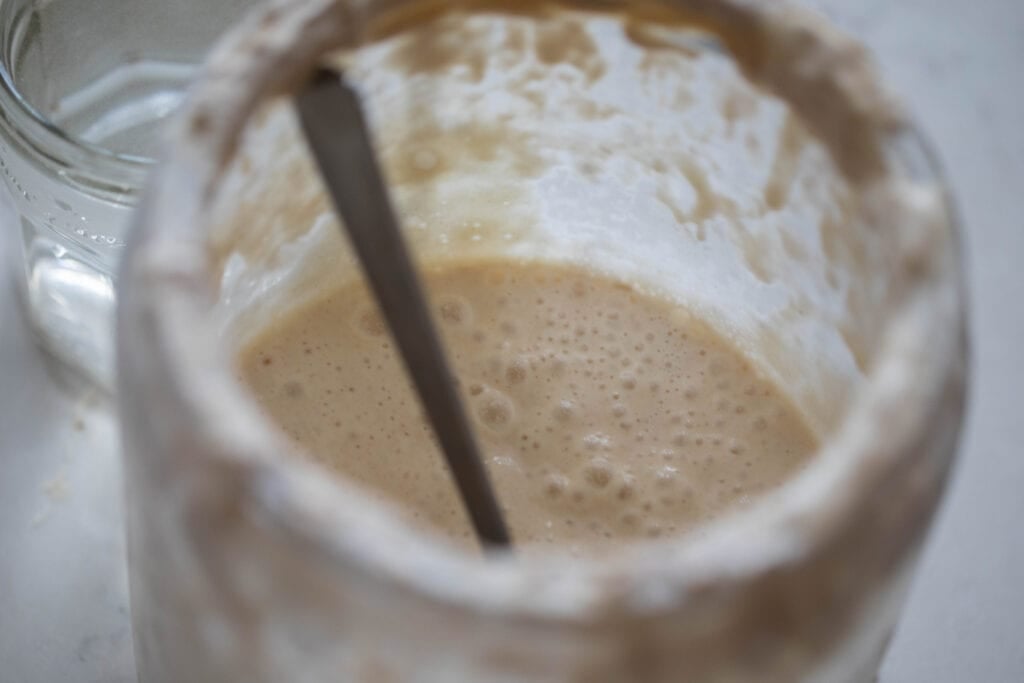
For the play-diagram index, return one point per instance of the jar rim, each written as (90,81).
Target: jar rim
(46,142)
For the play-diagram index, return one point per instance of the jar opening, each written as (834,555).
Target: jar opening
(789,53)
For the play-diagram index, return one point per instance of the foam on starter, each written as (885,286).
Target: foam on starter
(604,413)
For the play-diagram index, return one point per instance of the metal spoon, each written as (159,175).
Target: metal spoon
(336,130)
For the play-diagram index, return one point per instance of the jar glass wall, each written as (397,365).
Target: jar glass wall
(740,158)
(84,88)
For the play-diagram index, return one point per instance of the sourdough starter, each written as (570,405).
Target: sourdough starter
(603,413)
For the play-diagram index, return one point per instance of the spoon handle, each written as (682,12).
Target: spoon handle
(337,133)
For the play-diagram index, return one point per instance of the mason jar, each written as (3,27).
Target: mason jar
(742,157)
(84,87)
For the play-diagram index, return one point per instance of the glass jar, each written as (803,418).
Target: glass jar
(83,89)
(740,157)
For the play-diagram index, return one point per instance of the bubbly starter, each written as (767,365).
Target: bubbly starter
(604,413)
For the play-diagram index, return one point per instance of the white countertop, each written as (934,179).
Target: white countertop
(63,608)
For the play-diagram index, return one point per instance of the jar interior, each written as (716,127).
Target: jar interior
(635,150)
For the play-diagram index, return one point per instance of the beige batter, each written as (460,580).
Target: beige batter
(604,413)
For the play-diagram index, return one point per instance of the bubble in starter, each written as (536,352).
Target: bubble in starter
(516,371)
(455,311)
(565,410)
(598,473)
(597,441)
(504,461)
(555,485)
(496,410)
(667,475)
